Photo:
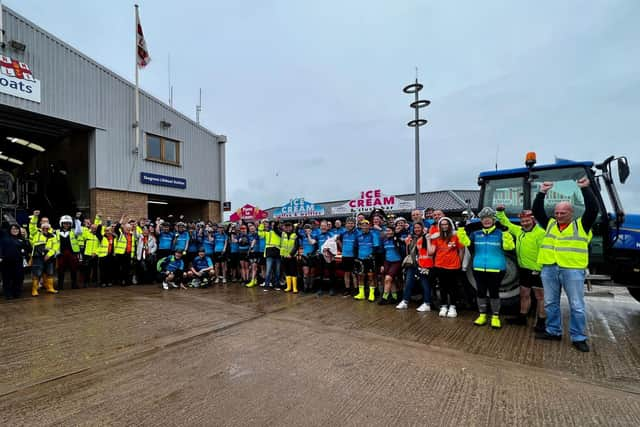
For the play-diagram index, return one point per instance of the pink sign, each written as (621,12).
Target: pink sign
(249,213)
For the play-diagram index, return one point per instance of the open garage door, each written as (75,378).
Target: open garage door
(43,164)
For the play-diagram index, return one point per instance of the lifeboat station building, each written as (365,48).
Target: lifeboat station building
(68,138)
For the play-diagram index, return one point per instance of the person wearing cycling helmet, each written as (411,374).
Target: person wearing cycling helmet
(67,249)
(365,256)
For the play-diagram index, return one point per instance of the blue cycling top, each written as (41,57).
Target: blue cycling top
(164,240)
(233,245)
(349,243)
(181,241)
(194,242)
(208,244)
(365,245)
(391,251)
(322,238)
(202,263)
(173,264)
(219,239)
(243,242)
(307,247)
(256,246)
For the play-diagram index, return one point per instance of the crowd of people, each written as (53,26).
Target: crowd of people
(375,257)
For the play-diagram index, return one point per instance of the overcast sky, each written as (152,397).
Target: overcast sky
(310,93)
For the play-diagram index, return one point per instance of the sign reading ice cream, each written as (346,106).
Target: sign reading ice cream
(372,199)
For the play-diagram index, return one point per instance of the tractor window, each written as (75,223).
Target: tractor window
(507,192)
(564,188)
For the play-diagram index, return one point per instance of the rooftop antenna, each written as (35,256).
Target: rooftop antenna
(170,85)
(497,150)
(199,107)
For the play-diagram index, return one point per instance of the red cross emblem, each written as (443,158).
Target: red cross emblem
(14,68)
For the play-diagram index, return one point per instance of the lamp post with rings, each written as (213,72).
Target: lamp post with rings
(416,123)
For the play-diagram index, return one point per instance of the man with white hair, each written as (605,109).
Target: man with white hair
(564,256)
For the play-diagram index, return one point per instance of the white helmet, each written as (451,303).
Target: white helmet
(66,218)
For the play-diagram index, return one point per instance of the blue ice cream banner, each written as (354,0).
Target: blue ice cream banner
(298,208)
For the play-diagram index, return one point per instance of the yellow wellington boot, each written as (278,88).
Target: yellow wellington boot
(288,279)
(372,294)
(360,295)
(48,285)
(251,284)
(481,320)
(294,283)
(34,286)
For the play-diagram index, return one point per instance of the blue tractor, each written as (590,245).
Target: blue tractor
(615,247)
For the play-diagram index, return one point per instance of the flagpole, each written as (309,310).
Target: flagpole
(136,122)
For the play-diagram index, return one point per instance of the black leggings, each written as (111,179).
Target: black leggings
(448,281)
(488,281)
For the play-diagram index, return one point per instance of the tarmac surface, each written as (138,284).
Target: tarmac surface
(234,356)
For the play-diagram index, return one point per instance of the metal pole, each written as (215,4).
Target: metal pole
(136,122)
(417,153)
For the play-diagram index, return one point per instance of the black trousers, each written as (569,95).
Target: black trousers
(324,269)
(123,263)
(108,270)
(12,278)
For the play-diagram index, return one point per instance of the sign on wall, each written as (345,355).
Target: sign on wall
(162,180)
(298,207)
(369,200)
(248,213)
(17,80)
(226,206)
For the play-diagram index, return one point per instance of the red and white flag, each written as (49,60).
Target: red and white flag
(143,57)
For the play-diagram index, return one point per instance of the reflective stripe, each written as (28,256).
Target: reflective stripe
(568,248)
(577,250)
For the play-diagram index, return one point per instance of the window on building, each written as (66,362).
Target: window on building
(164,150)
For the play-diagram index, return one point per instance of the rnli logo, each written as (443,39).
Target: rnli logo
(16,79)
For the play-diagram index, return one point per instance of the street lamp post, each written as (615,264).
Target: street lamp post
(416,123)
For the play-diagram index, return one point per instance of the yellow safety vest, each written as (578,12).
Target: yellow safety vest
(287,243)
(102,249)
(40,239)
(121,244)
(568,248)
(75,247)
(90,244)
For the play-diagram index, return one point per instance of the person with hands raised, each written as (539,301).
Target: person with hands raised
(564,256)
(528,237)
(489,263)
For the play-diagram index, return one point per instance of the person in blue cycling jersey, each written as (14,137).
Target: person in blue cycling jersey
(181,238)
(306,250)
(254,254)
(326,266)
(243,253)
(394,249)
(220,250)
(165,238)
(201,270)
(348,243)
(366,261)
(234,254)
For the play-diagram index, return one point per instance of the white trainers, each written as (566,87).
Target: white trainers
(452,311)
(173,285)
(165,286)
(217,280)
(224,281)
(424,307)
(443,311)
(402,306)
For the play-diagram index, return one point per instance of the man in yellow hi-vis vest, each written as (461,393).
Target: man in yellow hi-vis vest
(564,256)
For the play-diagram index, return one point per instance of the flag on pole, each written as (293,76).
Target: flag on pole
(143,57)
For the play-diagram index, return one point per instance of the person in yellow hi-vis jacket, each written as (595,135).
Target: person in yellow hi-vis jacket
(528,237)
(43,254)
(489,262)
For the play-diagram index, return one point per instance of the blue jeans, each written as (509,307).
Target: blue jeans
(410,281)
(554,279)
(273,269)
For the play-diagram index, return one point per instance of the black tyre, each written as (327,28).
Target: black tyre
(635,292)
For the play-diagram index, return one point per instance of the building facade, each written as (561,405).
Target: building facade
(68,138)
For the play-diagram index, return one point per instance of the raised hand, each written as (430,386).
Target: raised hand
(546,186)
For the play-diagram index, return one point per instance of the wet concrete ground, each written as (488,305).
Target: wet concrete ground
(235,356)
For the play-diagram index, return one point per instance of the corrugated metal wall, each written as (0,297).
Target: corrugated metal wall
(75,88)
